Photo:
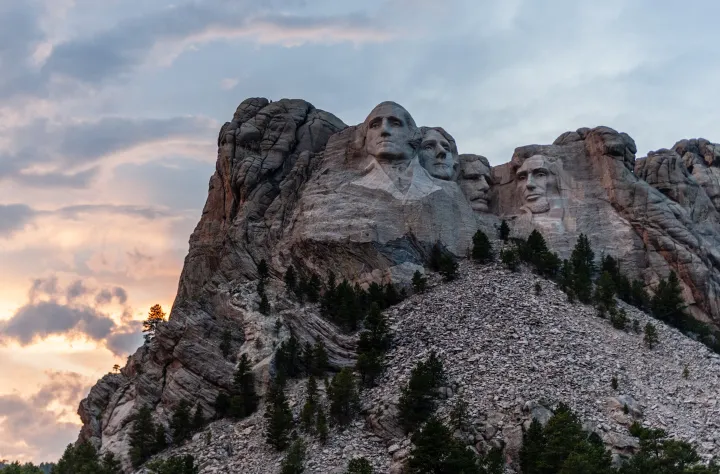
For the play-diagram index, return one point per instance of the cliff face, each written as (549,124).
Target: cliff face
(294,185)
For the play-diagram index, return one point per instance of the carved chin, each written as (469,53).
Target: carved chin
(538,206)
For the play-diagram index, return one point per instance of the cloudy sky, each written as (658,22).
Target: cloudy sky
(109,113)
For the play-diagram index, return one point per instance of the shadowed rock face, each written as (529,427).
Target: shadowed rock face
(294,185)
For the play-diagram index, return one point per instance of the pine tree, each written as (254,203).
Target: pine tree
(419,282)
(482,251)
(307,415)
(180,424)
(359,466)
(436,451)
(295,459)
(638,296)
(321,426)
(290,279)
(198,420)
(651,335)
(244,400)
(667,304)
(372,346)
(448,267)
(225,342)
(142,437)
(174,465)
(605,292)
(156,316)
(418,397)
(504,230)
(264,306)
(436,253)
(459,414)
(80,459)
(279,417)
(313,288)
(321,362)
(509,257)
(392,297)
(533,447)
(160,438)
(263,270)
(344,401)
(583,267)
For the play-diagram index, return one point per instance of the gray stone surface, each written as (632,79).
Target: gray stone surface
(294,185)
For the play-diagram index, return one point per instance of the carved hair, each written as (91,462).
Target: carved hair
(453,146)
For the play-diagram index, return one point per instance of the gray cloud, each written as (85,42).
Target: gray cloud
(126,340)
(27,422)
(76,290)
(53,179)
(39,320)
(14,217)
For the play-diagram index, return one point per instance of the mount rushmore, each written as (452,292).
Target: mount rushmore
(296,186)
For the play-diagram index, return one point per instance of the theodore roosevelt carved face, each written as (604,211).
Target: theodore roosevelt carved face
(475,179)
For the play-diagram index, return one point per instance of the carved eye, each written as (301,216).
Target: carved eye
(521,177)
(395,122)
(541,173)
(374,124)
(428,146)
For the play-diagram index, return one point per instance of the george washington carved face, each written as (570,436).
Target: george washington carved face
(390,129)
(536,183)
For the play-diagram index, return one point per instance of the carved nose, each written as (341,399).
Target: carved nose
(530,182)
(441,154)
(484,184)
(385,129)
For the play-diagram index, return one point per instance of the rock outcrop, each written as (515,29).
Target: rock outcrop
(295,186)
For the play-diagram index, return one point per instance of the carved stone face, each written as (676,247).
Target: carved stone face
(474,180)
(436,155)
(534,180)
(389,133)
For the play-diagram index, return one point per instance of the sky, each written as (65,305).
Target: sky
(109,114)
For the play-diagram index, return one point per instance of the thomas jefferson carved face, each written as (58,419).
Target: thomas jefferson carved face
(474,180)
(389,132)
(436,155)
(534,181)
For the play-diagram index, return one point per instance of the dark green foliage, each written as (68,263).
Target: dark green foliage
(614,383)
(180,425)
(582,262)
(307,415)
(321,427)
(343,396)
(142,437)
(278,416)
(436,254)
(288,358)
(638,296)
(686,372)
(373,344)
(605,292)
(392,297)
(295,459)
(321,362)
(80,459)
(359,466)
(482,250)
(225,342)
(174,465)
(222,405)
(17,468)
(533,448)
(619,319)
(537,288)
(418,397)
(535,252)
(263,270)
(312,291)
(667,304)
(198,420)
(290,279)
(509,257)
(435,450)
(264,306)
(660,455)
(563,447)
(459,415)
(651,335)
(419,282)
(504,230)
(636,326)
(160,437)
(448,267)
(243,400)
